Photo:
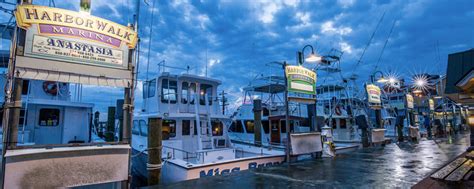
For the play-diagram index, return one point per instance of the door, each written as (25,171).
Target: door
(49,125)
(275,131)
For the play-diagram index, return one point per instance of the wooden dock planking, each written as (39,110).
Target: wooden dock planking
(446,170)
(459,173)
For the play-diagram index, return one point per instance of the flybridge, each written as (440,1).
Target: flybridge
(32,14)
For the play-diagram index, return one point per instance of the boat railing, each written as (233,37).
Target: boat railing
(190,157)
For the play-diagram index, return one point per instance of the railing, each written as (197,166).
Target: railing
(190,157)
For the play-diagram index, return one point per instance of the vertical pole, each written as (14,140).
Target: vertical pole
(378,118)
(110,130)
(14,117)
(154,150)
(257,114)
(287,121)
(127,117)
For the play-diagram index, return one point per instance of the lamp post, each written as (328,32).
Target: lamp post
(300,61)
(378,111)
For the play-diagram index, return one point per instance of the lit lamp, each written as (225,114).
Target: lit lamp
(470,121)
(382,80)
(313,57)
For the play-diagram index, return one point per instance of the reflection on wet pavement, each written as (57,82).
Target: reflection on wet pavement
(393,166)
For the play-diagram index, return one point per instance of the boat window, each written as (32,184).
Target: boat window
(195,128)
(342,124)
(266,112)
(186,127)
(239,127)
(169,129)
(151,88)
(217,128)
(266,126)
(135,128)
(283,126)
(143,127)
(249,126)
(23,118)
(192,92)
(169,91)
(49,117)
(334,125)
(184,92)
(205,89)
(24,89)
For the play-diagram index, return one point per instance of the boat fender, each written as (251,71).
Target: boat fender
(338,110)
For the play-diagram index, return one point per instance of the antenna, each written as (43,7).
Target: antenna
(149,41)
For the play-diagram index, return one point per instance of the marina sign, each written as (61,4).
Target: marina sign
(373,94)
(300,80)
(409,101)
(76,24)
(431,104)
(67,46)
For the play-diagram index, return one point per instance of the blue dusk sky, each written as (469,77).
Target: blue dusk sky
(237,38)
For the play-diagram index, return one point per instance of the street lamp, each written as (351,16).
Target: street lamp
(381,79)
(313,57)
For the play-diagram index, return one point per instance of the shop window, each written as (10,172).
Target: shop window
(266,126)
(186,126)
(169,129)
(49,117)
(217,128)
(143,127)
(205,90)
(169,91)
(249,126)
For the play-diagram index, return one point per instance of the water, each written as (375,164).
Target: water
(393,166)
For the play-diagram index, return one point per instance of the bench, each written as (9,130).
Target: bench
(456,170)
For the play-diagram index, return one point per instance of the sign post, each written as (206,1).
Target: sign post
(375,102)
(66,46)
(298,79)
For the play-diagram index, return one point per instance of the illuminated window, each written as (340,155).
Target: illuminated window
(49,117)
(169,129)
(205,90)
(217,128)
(249,126)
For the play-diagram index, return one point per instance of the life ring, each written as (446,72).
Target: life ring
(338,110)
(50,87)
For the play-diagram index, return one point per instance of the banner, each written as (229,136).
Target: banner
(373,94)
(409,101)
(301,80)
(431,104)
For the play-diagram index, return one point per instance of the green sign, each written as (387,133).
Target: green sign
(301,80)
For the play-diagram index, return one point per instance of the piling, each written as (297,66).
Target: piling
(257,114)
(154,150)
(110,129)
(14,117)
(119,114)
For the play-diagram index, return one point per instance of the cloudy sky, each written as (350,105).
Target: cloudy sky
(237,38)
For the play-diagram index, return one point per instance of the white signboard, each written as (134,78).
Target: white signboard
(76,51)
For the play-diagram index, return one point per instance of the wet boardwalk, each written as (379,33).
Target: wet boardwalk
(393,166)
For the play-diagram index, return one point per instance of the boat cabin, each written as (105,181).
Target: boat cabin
(49,116)
(192,120)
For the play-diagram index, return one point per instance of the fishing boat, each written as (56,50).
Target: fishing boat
(195,142)
(52,114)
